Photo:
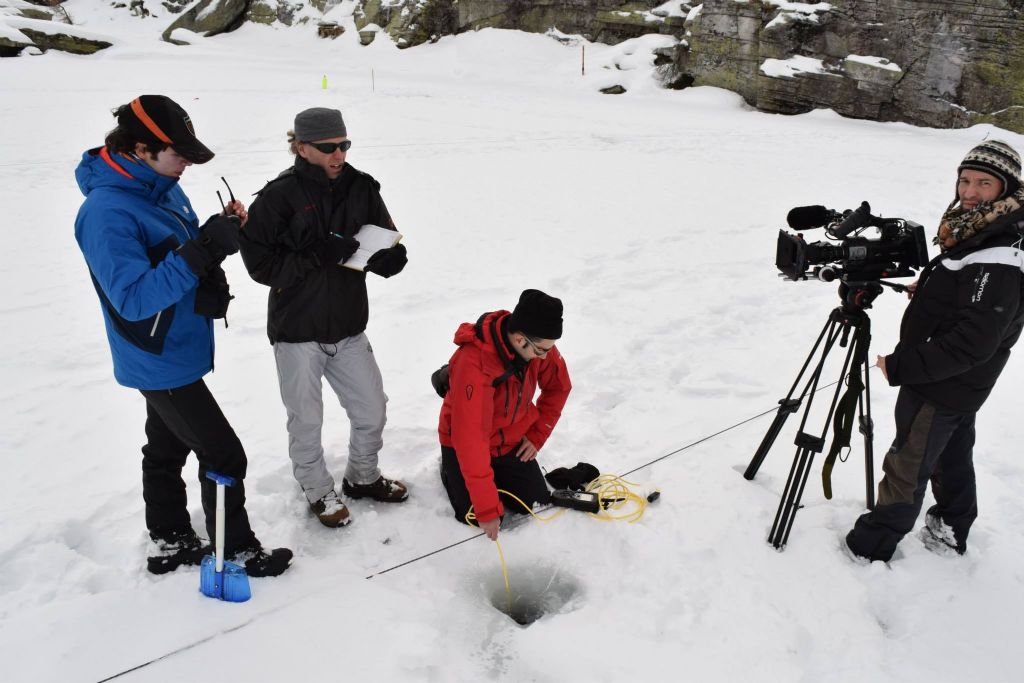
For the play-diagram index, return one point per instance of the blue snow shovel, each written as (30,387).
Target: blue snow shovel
(217,578)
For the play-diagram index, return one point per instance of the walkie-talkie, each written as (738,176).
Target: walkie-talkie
(585,501)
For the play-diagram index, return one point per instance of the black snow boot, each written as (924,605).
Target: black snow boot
(168,552)
(259,562)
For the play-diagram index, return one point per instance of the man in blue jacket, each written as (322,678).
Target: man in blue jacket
(160,284)
(955,339)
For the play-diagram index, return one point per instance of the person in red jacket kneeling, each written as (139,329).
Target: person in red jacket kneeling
(490,428)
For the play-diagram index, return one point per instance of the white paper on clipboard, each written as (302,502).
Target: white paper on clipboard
(371,238)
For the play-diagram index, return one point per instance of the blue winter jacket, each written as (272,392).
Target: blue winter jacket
(128,228)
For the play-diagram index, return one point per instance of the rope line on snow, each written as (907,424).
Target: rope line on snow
(189,646)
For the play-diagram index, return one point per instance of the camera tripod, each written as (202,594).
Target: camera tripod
(848,318)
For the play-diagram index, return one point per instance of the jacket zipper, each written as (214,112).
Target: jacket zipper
(188,234)
(515,409)
(519,398)
(156,321)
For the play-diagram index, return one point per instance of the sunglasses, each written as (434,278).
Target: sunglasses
(230,194)
(537,349)
(329,147)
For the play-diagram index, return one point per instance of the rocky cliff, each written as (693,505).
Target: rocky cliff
(949,63)
(944,63)
(411,22)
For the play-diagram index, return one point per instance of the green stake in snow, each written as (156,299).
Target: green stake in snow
(323,82)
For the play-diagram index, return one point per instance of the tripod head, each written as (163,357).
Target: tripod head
(858,296)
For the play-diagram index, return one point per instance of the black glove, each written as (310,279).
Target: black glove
(388,262)
(575,478)
(217,239)
(337,249)
(213,294)
(220,233)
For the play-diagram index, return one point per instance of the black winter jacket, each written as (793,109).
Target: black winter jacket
(965,316)
(289,223)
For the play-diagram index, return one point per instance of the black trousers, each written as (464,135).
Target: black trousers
(931,444)
(524,479)
(179,421)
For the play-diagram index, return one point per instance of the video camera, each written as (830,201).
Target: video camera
(900,247)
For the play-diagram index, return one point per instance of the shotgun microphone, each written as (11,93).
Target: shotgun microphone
(810,217)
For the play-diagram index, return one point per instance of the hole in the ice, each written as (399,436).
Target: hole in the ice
(536,591)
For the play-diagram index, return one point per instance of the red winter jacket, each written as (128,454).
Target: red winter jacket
(481,421)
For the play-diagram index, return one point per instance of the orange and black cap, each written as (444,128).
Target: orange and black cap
(156,118)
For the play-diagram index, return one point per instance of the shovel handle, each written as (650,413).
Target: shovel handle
(222,481)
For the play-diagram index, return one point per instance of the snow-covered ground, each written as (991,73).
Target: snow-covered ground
(653,215)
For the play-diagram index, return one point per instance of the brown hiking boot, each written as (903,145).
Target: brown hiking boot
(383,490)
(331,511)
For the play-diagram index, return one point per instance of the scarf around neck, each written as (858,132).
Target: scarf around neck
(959,224)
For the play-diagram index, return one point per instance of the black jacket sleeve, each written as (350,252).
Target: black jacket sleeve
(379,214)
(272,248)
(988,296)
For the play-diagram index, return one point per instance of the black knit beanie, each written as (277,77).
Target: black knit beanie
(998,159)
(537,315)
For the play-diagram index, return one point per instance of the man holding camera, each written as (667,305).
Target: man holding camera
(160,285)
(301,230)
(490,428)
(964,316)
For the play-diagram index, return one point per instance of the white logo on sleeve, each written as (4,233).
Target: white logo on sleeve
(980,291)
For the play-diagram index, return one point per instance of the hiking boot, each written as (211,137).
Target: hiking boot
(938,537)
(167,553)
(331,511)
(844,547)
(258,562)
(383,490)
(855,557)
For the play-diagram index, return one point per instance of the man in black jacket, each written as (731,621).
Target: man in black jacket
(301,230)
(964,316)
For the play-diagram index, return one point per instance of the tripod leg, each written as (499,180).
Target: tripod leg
(789,404)
(791,496)
(867,428)
(786,407)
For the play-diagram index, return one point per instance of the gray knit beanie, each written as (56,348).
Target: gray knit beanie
(998,159)
(319,123)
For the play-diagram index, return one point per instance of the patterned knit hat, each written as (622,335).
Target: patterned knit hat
(998,159)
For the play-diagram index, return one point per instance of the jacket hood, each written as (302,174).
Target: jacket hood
(100,169)
(496,354)
(466,333)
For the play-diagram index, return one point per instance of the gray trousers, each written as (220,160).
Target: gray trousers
(352,372)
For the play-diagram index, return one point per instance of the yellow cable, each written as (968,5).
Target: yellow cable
(614,494)
(504,572)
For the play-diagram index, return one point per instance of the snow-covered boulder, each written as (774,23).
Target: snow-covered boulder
(24,25)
